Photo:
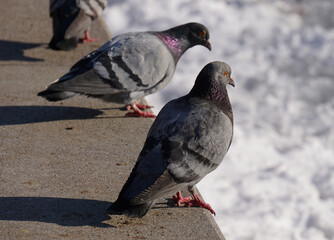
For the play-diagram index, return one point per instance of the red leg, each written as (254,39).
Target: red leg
(87,38)
(137,112)
(178,199)
(140,106)
(143,107)
(197,202)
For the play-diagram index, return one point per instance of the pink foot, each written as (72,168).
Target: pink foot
(143,107)
(140,106)
(197,202)
(138,112)
(178,199)
(87,38)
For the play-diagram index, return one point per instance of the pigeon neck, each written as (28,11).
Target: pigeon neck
(176,45)
(214,92)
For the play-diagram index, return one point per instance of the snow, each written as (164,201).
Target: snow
(277,180)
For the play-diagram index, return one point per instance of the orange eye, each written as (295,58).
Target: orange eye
(202,34)
(226,73)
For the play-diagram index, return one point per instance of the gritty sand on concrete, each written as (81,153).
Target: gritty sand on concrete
(62,164)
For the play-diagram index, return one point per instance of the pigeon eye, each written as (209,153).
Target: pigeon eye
(203,33)
(226,73)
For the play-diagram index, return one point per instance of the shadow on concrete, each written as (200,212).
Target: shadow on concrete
(62,211)
(11,50)
(12,115)
(168,204)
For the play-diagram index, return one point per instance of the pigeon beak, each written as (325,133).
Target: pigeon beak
(231,82)
(207,44)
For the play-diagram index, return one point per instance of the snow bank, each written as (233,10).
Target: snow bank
(277,181)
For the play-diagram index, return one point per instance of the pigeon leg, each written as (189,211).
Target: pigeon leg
(87,38)
(197,202)
(137,112)
(140,106)
(143,107)
(178,199)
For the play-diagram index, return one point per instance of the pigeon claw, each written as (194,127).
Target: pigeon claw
(189,202)
(143,107)
(197,202)
(87,38)
(137,110)
(140,106)
(178,199)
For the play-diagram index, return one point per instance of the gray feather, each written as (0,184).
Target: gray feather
(188,140)
(131,66)
(80,23)
(93,8)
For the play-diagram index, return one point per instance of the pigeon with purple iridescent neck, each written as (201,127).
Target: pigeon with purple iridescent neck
(129,67)
(188,139)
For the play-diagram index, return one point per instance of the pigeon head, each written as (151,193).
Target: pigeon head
(212,80)
(180,38)
(198,34)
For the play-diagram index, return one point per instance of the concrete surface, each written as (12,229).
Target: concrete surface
(63,163)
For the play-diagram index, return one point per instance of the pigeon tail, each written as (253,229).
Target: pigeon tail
(136,211)
(54,96)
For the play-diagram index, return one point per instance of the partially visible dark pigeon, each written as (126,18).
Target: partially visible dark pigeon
(71,19)
(129,67)
(188,139)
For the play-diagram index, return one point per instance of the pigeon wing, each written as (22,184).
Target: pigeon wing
(138,60)
(128,63)
(54,5)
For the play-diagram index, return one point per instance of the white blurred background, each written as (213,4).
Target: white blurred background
(277,180)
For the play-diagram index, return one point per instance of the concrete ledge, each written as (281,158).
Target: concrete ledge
(63,163)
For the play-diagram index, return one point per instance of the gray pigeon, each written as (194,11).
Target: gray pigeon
(129,67)
(71,19)
(188,139)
